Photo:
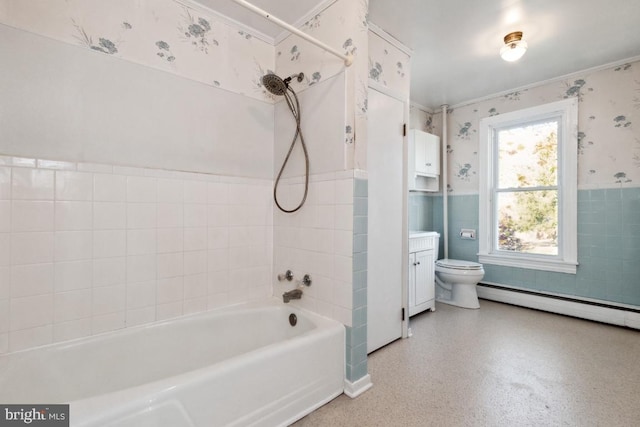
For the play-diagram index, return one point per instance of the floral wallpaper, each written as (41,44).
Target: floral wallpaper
(344,26)
(388,65)
(608,117)
(421,119)
(294,55)
(167,35)
(163,34)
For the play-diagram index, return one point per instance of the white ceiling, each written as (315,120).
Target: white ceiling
(456,43)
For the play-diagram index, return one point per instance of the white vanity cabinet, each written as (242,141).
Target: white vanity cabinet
(424,161)
(422,257)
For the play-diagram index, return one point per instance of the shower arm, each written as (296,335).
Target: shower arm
(348,59)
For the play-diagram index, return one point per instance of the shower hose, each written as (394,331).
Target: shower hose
(295,110)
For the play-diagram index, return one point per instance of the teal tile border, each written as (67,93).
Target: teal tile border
(356,345)
(420,211)
(608,246)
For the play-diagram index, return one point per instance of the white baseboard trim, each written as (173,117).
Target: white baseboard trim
(355,389)
(609,315)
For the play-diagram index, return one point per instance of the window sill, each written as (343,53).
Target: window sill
(557,266)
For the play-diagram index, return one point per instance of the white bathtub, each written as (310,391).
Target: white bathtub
(243,365)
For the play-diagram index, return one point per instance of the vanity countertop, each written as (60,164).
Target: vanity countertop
(421,233)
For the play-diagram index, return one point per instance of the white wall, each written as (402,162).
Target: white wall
(323,123)
(67,103)
(90,244)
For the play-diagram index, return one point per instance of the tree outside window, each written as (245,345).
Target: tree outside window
(528,188)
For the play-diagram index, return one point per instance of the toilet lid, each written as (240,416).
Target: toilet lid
(457,264)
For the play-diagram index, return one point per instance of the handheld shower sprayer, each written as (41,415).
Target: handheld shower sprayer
(279,87)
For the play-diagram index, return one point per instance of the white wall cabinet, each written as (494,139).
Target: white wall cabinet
(424,161)
(421,277)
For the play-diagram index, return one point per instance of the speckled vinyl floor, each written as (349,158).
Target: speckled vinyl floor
(497,366)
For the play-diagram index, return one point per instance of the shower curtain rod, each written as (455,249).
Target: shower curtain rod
(348,60)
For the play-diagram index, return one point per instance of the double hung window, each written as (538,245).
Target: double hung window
(528,188)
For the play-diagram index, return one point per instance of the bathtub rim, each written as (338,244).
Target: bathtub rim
(246,305)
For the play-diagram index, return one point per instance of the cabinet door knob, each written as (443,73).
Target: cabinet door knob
(428,164)
(418,263)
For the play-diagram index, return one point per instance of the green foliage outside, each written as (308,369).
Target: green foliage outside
(534,214)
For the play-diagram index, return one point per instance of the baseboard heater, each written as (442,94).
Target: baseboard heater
(599,311)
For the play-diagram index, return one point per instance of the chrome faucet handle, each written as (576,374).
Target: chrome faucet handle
(306,280)
(288,275)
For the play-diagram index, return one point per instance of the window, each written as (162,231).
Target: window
(528,188)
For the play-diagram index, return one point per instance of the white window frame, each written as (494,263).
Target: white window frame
(567,259)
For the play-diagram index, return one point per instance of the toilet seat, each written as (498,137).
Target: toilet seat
(456,264)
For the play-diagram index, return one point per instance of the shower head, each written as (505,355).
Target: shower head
(276,85)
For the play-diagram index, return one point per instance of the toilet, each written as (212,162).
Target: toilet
(456,282)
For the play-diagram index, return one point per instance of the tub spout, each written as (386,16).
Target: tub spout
(293,294)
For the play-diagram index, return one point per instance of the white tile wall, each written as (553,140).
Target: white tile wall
(32,216)
(109,243)
(32,184)
(73,275)
(88,248)
(74,186)
(318,240)
(109,322)
(5,282)
(5,253)
(5,183)
(73,216)
(109,188)
(109,215)
(29,312)
(32,337)
(30,248)
(109,271)
(64,331)
(72,305)
(73,245)
(5,216)
(32,279)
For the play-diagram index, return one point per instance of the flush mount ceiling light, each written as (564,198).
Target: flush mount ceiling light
(514,47)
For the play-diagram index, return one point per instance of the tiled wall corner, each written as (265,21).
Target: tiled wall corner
(317,240)
(356,348)
(86,249)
